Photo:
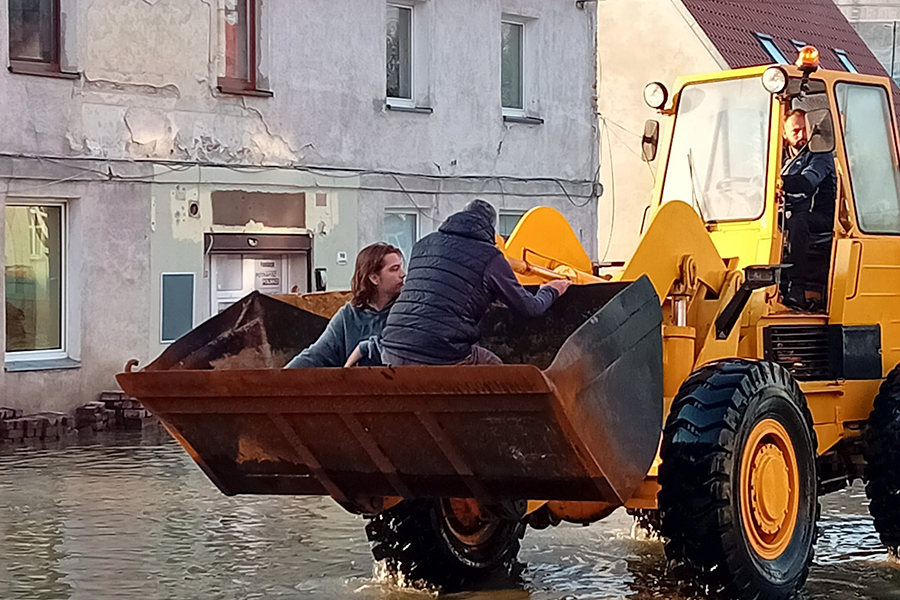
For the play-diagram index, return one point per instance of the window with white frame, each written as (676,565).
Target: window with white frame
(399,60)
(401,229)
(35,293)
(512,66)
(507,222)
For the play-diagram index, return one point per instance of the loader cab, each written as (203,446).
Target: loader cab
(805,218)
(725,154)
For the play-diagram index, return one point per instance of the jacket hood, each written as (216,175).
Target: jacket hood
(475,221)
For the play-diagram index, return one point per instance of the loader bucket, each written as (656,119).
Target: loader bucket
(257,332)
(586,427)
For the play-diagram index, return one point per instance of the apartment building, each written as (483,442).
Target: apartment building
(161,159)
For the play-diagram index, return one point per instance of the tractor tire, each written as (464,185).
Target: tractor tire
(738,499)
(423,542)
(882,453)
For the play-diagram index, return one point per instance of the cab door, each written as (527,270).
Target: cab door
(866,281)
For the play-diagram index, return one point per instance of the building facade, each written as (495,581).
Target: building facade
(159,160)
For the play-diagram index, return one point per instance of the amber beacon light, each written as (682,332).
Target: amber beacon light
(808,58)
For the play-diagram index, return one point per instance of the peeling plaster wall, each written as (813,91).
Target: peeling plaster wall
(148,90)
(147,93)
(177,239)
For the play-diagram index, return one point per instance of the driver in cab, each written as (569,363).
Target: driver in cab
(809,185)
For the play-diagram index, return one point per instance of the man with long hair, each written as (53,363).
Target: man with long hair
(377,281)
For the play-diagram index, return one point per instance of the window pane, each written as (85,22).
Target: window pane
(718,157)
(845,60)
(868,143)
(772,50)
(177,305)
(237,39)
(229,272)
(507,223)
(511,66)
(33,278)
(399,52)
(400,230)
(31,30)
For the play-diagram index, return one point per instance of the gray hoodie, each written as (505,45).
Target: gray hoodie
(347,328)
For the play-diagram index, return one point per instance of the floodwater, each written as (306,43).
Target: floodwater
(129,516)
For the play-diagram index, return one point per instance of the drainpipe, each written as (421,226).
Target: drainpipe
(893,49)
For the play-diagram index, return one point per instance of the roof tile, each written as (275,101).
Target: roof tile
(731,25)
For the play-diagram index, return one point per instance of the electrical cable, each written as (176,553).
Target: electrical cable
(109,176)
(337,172)
(612,177)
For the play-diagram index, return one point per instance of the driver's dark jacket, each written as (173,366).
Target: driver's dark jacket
(810,185)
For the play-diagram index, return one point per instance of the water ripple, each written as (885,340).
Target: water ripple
(130,516)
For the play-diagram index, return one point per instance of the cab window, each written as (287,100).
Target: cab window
(868,142)
(717,162)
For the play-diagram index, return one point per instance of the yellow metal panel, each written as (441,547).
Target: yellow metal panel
(875,298)
(543,238)
(834,403)
(676,231)
(713,349)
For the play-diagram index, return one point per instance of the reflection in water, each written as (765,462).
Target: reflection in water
(134,518)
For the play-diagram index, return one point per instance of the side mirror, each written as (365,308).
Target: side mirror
(650,140)
(821,130)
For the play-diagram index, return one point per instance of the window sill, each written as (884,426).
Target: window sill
(236,91)
(40,70)
(55,364)
(523,120)
(421,110)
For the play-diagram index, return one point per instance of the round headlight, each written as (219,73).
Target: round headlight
(774,80)
(655,95)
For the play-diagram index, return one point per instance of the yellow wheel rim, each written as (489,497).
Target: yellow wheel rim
(770,498)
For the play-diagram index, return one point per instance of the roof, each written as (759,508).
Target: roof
(732,25)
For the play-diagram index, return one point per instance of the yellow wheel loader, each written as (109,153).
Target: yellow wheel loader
(679,386)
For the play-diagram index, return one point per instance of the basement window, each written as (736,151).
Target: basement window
(35,38)
(240,47)
(401,230)
(507,222)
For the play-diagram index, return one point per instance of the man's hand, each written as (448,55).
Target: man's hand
(560,285)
